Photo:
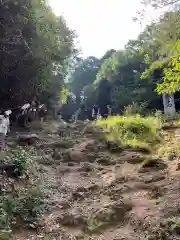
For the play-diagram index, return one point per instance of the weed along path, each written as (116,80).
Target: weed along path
(85,186)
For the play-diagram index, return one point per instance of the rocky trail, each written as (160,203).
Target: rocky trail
(97,192)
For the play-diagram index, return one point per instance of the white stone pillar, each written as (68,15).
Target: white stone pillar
(169,105)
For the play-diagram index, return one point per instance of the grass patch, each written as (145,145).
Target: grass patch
(21,202)
(170,146)
(21,159)
(131,131)
(111,214)
(16,163)
(22,207)
(169,151)
(175,225)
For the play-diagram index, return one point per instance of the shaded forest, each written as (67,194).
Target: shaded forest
(39,59)
(36,48)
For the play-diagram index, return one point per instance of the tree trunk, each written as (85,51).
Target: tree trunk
(169,105)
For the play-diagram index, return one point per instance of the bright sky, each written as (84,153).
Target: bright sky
(100,24)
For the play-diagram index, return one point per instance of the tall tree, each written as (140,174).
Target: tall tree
(35,45)
(165,36)
(84,74)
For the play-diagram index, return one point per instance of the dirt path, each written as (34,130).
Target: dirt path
(95,194)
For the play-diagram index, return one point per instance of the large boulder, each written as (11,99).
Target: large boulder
(79,153)
(87,146)
(29,139)
(10,170)
(108,214)
(74,155)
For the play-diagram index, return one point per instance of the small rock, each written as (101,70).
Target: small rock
(177,166)
(91,157)
(28,139)
(45,160)
(72,220)
(64,144)
(63,169)
(78,195)
(135,159)
(110,213)
(104,161)
(64,204)
(171,156)
(81,189)
(93,187)
(86,146)
(77,155)
(114,147)
(176,229)
(84,174)
(85,167)
(56,155)
(10,170)
(71,164)
(155,178)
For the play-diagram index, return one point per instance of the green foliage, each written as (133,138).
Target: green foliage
(175,224)
(21,159)
(122,70)
(64,94)
(133,131)
(37,47)
(103,92)
(160,115)
(153,56)
(159,64)
(108,68)
(163,54)
(170,73)
(5,230)
(5,234)
(135,108)
(84,74)
(171,79)
(22,206)
(169,147)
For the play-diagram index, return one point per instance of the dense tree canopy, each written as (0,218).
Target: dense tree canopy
(84,74)
(122,70)
(153,56)
(35,48)
(38,53)
(165,57)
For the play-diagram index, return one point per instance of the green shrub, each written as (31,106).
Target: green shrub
(23,206)
(133,131)
(21,158)
(177,118)
(135,108)
(5,230)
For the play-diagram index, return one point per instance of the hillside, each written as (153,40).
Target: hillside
(92,190)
